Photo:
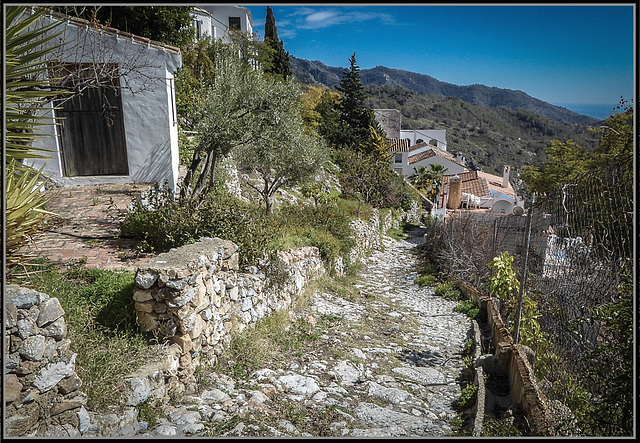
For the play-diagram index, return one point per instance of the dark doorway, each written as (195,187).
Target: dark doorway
(92,137)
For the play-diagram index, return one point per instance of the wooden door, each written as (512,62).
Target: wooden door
(92,136)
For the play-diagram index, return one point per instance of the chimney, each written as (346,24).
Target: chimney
(505,176)
(455,192)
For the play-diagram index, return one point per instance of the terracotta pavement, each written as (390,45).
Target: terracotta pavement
(86,227)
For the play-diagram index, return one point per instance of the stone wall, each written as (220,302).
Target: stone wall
(514,360)
(196,297)
(42,395)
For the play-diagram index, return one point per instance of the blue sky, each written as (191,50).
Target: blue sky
(571,55)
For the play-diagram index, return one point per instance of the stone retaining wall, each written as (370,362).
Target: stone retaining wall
(511,359)
(42,395)
(196,297)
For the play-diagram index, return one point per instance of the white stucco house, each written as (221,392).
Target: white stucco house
(216,20)
(433,137)
(125,129)
(406,160)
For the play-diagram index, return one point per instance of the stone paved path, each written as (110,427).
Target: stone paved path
(86,227)
(386,366)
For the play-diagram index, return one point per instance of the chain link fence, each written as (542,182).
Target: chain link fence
(572,252)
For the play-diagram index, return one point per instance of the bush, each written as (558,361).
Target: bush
(468,307)
(426,280)
(467,397)
(448,290)
(372,180)
(161,222)
(324,226)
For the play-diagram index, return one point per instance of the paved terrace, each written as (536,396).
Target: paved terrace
(87,225)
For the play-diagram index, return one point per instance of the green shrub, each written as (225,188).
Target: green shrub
(467,397)
(468,307)
(161,222)
(442,288)
(325,226)
(448,290)
(426,280)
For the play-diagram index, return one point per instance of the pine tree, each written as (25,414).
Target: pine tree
(280,60)
(356,118)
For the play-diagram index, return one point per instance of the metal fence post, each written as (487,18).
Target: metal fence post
(523,280)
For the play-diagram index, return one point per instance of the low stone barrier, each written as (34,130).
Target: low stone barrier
(511,359)
(42,395)
(479,381)
(196,297)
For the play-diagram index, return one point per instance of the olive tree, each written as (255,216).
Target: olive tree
(281,153)
(229,112)
(253,117)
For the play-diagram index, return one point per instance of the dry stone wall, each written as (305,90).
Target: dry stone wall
(196,297)
(42,389)
(515,361)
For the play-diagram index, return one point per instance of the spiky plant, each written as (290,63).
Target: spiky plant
(27,89)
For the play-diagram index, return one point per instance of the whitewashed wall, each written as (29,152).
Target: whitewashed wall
(220,19)
(148,104)
(426,135)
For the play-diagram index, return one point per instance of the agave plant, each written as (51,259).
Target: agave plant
(26,90)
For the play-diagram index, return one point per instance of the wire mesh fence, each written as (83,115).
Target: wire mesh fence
(572,252)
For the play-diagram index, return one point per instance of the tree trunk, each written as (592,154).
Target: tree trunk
(205,179)
(185,189)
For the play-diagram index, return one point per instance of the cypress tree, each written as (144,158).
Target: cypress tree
(270,29)
(280,60)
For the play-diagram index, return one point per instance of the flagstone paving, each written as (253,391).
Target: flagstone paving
(85,228)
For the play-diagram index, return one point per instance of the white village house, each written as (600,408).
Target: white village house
(216,20)
(123,131)
(461,188)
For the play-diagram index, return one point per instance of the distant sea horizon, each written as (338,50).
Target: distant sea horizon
(594,110)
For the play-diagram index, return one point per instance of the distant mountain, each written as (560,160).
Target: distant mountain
(317,73)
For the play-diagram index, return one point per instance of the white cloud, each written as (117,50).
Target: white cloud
(309,18)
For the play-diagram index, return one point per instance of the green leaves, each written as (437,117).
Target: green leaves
(428,180)
(24,206)
(504,282)
(27,89)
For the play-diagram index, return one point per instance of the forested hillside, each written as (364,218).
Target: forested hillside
(317,73)
(488,137)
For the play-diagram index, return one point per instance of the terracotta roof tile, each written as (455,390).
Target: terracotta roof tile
(398,145)
(421,156)
(429,153)
(495,183)
(471,183)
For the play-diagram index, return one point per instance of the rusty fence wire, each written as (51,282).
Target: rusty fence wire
(571,253)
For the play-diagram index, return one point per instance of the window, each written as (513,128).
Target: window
(198,24)
(172,90)
(398,158)
(234,23)
(419,141)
